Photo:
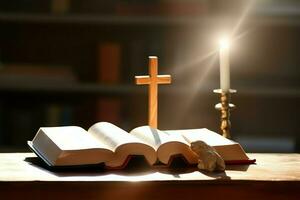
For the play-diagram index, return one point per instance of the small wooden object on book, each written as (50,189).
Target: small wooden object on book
(113,146)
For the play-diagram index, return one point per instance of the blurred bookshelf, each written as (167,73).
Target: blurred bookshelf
(72,62)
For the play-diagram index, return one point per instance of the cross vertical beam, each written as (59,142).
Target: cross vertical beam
(152,80)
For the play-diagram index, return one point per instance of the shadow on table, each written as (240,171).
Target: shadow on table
(136,167)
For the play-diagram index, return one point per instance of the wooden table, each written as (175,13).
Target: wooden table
(274,176)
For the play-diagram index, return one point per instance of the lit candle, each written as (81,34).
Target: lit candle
(224,65)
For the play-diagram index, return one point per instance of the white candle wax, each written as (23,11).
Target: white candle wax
(224,66)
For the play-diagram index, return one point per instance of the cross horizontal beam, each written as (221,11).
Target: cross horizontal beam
(145,80)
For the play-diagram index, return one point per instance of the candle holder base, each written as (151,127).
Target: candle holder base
(225,106)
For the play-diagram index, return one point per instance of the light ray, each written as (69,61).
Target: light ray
(209,59)
(243,34)
(242,18)
(194,90)
(179,70)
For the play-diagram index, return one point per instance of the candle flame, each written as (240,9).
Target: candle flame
(224,43)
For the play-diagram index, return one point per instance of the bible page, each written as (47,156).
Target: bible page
(112,135)
(155,137)
(71,138)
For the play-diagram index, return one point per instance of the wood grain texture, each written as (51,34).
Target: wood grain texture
(153,80)
(275,176)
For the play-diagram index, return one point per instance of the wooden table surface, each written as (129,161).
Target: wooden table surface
(274,176)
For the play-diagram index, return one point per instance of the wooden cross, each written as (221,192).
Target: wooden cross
(152,80)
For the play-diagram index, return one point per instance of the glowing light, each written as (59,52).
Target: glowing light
(224,43)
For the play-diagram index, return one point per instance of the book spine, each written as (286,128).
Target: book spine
(60,6)
(109,63)
(53,113)
(109,73)
(132,162)
(58,115)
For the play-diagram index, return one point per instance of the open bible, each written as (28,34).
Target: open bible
(113,146)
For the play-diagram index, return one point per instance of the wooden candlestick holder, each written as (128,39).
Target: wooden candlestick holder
(225,107)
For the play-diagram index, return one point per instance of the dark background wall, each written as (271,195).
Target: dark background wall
(73,62)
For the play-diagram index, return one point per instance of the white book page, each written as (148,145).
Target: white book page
(72,138)
(112,135)
(209,137)
(155,137)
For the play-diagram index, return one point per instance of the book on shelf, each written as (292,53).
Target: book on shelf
(60,6)
(109,73)
(106,143)
(109,62)
(58,114)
